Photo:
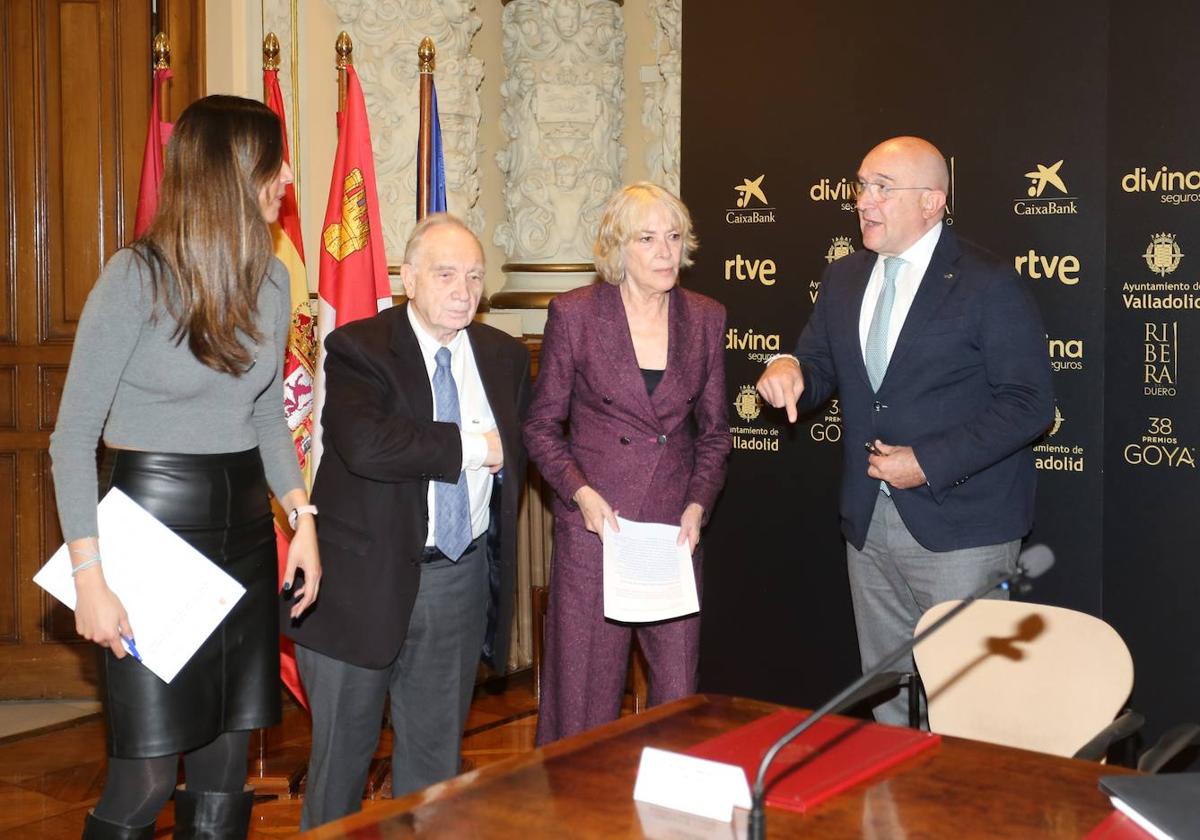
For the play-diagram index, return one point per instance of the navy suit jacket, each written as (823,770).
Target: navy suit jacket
(967,387)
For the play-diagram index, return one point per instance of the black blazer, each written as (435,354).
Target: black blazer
(968,387)
(381,450)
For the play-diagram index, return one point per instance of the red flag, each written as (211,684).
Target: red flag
(353,279)
(298,362)
(157,134)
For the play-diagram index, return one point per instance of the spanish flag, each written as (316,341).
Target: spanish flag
(353,269)
(157,134)
(298,362)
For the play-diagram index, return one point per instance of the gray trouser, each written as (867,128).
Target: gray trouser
(894,580)
(430,683)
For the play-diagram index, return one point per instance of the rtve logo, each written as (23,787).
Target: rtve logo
(740,268)
(1035,266)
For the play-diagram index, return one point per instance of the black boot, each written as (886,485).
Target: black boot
(95,828)
(207,815)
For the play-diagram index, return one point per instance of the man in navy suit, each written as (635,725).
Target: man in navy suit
(938,354)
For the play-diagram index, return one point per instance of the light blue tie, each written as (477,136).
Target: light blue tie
(876,356)
(452,520)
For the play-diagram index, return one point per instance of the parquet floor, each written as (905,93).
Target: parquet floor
(49,781)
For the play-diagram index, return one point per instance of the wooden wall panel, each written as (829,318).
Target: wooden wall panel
(76,133)
(51,379)
(8,278)
(58,622)
(74,102)
(8,398)
(9,575)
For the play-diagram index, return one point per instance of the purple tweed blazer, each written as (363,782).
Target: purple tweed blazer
(592,422)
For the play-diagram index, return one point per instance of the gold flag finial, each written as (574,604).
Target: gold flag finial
(427,56)
(162,52)
(271,52)
(345,50)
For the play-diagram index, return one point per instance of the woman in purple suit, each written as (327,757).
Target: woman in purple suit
(629,418)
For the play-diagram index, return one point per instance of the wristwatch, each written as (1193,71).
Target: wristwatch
(294,514)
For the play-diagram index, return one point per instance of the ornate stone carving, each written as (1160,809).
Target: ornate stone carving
(277,18)
(661,84)
(386,34)
(563,96)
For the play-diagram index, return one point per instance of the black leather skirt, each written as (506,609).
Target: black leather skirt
(220,505)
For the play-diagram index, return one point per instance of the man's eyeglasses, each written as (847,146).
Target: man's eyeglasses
(878,191)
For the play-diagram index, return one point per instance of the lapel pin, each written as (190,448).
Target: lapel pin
(949,275)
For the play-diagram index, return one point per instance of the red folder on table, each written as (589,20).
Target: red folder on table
(833,755)
(1118,827)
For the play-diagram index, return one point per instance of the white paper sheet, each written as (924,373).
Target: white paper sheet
(175,596)
(647,577)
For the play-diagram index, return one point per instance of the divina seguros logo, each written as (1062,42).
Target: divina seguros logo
(844,192)
(1046,193)
(1173,186)
(757,346)
(751,206)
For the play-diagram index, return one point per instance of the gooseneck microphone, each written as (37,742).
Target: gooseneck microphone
(1032,563)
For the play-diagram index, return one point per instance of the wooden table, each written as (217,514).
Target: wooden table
(583,787)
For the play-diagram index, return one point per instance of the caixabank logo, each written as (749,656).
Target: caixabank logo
(1056,453)
(751,206)
(1171,186)
(1046,193)
(1163,256)
(1160,447)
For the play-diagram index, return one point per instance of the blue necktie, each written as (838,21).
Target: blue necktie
(452,517)
(876,356)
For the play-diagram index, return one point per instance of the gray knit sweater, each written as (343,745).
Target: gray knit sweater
(130,380)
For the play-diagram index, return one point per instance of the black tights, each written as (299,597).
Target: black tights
(136,789)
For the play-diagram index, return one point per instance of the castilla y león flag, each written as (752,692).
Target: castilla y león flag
(354,280)
(298,361)
(157,134)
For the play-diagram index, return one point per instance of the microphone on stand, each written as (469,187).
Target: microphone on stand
(1033,562)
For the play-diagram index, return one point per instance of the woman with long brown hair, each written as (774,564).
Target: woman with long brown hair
(177,366)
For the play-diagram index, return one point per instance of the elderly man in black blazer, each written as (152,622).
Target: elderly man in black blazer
(938,354)
(418,490)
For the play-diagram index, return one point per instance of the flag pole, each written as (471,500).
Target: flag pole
(344,47)
(426,63)
(152,154)
(274,766)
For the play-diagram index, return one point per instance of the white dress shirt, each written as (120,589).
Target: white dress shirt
(477,418)
(916,261)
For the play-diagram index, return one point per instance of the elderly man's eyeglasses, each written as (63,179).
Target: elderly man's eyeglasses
(878,191)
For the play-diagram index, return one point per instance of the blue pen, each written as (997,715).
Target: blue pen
(131,647)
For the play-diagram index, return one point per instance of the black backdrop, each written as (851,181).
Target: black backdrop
(797,93)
